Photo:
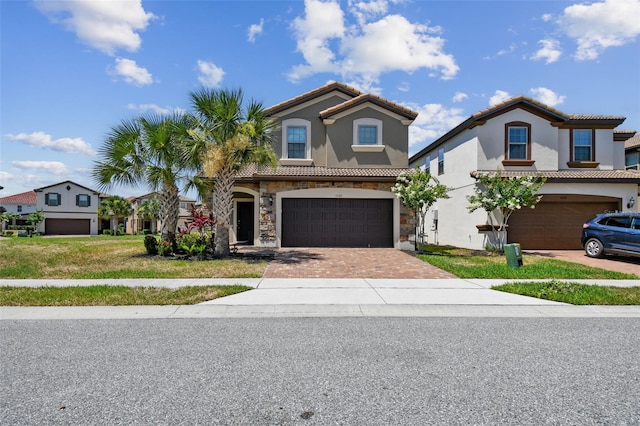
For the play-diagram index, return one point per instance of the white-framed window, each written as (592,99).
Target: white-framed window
(52,199)
(582,142)
(367,131)
(427,164)
(517,142)
(441,161)
(19,209)
(296,137)
(83,200)
(632,161)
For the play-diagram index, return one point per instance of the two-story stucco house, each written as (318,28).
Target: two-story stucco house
(340,151)
(581,156)
(70,209)
(135,224)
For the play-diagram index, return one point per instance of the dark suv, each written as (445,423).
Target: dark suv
(612,233)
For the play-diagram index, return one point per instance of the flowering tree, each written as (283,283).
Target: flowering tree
(418,191)
(500,196)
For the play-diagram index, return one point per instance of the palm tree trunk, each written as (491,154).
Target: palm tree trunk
(223,209)
(169,212)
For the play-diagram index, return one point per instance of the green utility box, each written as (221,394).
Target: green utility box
(513,254)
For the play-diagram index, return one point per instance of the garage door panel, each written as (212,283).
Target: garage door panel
(337,223)
(554,225)
(67,226)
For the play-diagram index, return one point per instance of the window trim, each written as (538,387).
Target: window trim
(79,204)
(427,163)
(357,146)
(295,122)
(47,199)
(440,161)
(527,161)
(591,163)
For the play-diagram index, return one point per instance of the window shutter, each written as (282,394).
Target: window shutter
(59,200)
(88,200)
(77,200)
(46,198)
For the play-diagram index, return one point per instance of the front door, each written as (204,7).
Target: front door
(244,222)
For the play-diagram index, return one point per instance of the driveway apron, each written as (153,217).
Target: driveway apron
(350,263)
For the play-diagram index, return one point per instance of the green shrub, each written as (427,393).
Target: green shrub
(151,244)
(146,231)
(165,249)
(8,234)
(107,232)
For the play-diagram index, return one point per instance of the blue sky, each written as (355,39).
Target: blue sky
(71,70)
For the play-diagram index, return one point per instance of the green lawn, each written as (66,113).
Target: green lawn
(105,295)
(574,293)
(479,264)
(109,257)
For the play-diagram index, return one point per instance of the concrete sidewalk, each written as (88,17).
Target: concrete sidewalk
(328,297)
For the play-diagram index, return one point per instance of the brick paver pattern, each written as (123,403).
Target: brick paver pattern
(349,263)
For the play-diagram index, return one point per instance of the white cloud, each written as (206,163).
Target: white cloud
(156,109)
(255,30)
(365,50)
(210,74)
(104,25)
(598,26)
(498,97)
(43,140)
(54,167)
(459,97)
(550,51)
(131,73)
(547,96)
(433,121)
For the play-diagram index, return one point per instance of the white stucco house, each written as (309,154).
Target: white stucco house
(581,156)
(70,209)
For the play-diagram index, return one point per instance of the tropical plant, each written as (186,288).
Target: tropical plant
(114,208)
(231,136)
(418,191)
(500,196)
(36,218)
(150,210)
(153,151)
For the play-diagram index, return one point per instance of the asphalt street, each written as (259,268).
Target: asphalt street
(317,371)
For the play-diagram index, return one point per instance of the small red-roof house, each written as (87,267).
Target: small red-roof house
(23,203)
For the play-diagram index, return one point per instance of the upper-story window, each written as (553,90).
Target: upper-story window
(582,143)
(441,161)
(367,131)
(518,140)
(632,161)
(52,199)
(296,134)
(19,209)
(427,163)
(83,200)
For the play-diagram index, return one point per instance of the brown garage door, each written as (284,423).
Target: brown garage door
(556,222)
(337,222)
(67,226)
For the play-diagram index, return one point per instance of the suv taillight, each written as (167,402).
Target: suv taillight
(585,226)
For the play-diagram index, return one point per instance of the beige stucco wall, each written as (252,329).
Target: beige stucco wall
(67,208)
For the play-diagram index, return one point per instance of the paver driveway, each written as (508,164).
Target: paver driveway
(349,263)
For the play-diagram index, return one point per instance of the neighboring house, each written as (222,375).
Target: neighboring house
(632,158)
(22,204)
(582,157)
(135,224)
(70,209)
(340,151)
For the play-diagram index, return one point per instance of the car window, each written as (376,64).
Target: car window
(636,223)
(618,221)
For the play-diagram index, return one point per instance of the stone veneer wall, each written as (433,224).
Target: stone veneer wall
(269,189)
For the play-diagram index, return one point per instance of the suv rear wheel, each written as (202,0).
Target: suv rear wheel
(594,248)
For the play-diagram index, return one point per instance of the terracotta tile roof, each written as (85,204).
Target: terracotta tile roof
(301,172)
(630,176)
(28,197)
(327,88)
(377,100)
(633,142)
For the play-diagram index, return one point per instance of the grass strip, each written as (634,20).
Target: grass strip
(574,293)
(107,295)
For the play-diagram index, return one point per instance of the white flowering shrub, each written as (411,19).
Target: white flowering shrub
(500,196)
(418,191)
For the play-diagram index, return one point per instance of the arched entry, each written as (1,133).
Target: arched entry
(245,217)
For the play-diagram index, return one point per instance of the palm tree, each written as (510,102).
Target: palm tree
(231,137)
(10,217)
(150,210)
(114,208)
(153,151)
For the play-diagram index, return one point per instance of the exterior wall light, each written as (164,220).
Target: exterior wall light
(631,203)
